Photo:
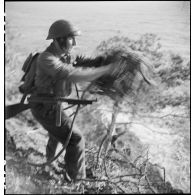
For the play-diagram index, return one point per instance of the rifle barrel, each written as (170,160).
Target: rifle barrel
(34,99)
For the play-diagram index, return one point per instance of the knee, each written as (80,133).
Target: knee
(77,138)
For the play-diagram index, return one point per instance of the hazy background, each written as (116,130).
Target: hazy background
(99,21)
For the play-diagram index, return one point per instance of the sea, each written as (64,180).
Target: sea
(28,22)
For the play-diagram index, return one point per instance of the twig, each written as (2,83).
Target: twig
(163,116)
(138,186)
(173,115)
(108,136)
(115,137)
(68,107)
(164,173)
(127,160)
(112,126)
(100,149)
(146,116)
(145,164)
(128,175)
(119,188)
(77,91)
(135,161)
(102,180)
(72,114)
(105,169)
(149,186)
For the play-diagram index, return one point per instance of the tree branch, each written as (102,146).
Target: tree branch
(149,186)
(102,180)
(112,126)
(100,150)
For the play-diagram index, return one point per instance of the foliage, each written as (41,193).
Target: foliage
(167,107)
(171,70)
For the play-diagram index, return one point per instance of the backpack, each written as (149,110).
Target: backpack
(29,69)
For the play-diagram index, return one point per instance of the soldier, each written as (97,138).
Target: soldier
(55,76)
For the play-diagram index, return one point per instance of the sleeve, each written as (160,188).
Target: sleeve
(52,65)
(88,74)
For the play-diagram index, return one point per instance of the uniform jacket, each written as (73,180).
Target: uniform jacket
(54,75)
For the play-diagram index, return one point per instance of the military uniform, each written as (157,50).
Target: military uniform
(55,76)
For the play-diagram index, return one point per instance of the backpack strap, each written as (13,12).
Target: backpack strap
(27,64)
(29,68)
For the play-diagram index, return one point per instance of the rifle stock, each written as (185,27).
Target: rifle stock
(12,110)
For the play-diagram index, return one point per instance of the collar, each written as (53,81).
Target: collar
(65,58)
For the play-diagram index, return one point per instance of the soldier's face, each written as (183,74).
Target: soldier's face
(66,43)
(70,43)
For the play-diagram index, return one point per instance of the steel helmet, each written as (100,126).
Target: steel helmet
(62,28)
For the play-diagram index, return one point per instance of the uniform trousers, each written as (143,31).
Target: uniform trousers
(75,151)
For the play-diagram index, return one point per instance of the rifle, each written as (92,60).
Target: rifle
(12,110)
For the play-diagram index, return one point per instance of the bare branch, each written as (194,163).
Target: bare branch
(102,180)
(105,169)
(128,175)
(149,186)
(112,126)
(147,116)
(100,149)
(172,115)
(141,156)
(127,160)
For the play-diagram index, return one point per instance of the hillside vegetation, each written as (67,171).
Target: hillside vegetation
(150,150)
